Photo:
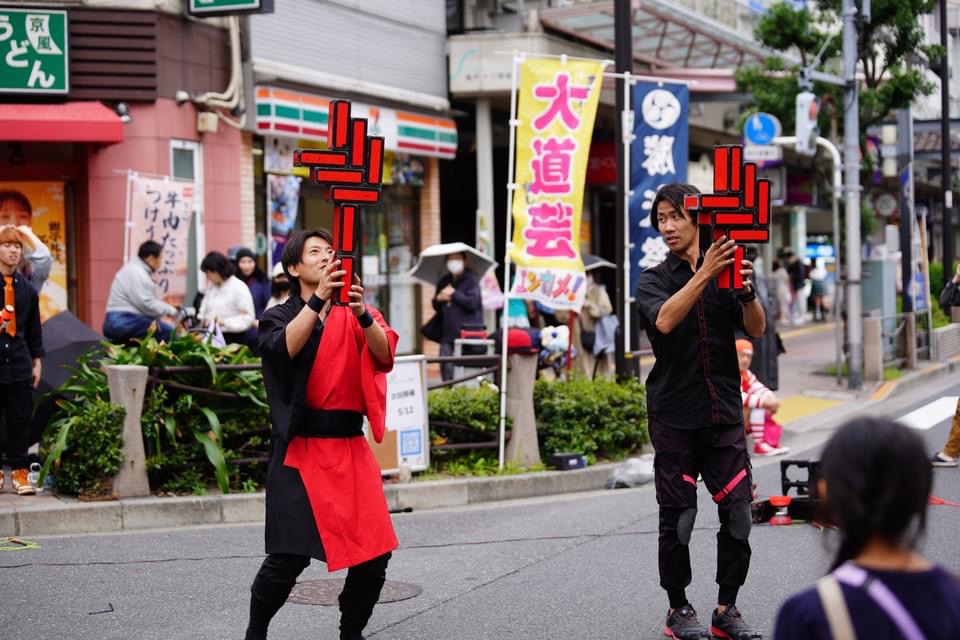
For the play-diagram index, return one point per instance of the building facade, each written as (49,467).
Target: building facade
(71,151)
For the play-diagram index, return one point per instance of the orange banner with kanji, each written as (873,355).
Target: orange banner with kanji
(556,110)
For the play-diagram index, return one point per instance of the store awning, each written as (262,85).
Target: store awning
(66,122)
(292,113)
(668,35)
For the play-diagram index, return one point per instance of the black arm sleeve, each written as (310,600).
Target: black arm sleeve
(652,292)
(34,334)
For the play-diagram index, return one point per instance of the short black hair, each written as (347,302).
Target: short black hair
(218,263)
(673,193)
(149,249)
(878,481)
(293,252)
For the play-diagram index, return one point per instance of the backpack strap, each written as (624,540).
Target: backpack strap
(834,605)
(855,576)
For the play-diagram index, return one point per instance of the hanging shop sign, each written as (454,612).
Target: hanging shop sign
(159,209)
(556,109)
(658,156)
(293,113)
(208,8)
(34,51)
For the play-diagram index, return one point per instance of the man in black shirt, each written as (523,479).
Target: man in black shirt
(695,410)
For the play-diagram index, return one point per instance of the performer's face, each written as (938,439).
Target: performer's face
(317,254)
(676,227)
(746,357)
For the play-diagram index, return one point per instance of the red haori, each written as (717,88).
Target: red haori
(352,169)
(739,209)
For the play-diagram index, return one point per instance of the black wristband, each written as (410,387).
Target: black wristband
(747,298)
(365,319)
(316,303)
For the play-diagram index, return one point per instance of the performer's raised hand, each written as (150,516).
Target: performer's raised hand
(331,280)
(356,297)
(719,256)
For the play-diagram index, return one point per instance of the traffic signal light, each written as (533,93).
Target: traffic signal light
(808,105)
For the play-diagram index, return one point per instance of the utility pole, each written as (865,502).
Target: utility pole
(945,146)
(851,158)
(623,57)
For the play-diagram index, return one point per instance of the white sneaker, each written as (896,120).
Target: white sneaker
(765,449)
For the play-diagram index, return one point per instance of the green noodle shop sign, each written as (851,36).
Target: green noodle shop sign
(34,51)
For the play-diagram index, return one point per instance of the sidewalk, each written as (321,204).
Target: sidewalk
(811,404)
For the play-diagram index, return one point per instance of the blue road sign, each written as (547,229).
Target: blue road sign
(761,128)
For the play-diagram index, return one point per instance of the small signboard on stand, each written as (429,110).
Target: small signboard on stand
(407,438)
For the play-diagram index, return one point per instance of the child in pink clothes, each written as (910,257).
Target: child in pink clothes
(762,404)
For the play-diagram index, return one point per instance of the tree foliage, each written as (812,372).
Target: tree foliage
(890,48)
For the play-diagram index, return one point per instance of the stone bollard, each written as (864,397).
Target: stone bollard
(128,384)
(873,349)
(523,448)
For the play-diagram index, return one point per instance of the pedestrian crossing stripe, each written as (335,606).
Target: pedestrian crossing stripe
(931,414)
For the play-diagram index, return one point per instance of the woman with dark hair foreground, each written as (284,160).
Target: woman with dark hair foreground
(875,480)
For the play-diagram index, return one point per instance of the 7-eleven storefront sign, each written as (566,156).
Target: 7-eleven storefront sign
(304,115)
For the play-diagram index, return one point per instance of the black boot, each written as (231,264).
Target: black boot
(361,590)
(276,578)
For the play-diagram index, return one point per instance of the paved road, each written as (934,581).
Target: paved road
(577,566)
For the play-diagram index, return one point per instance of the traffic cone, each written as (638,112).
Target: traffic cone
(782,516)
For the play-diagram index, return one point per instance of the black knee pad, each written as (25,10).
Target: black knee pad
(685,525)
(741,519)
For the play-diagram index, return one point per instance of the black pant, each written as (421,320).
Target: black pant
(278,574)
(446,369)
(719,455)
(16,405)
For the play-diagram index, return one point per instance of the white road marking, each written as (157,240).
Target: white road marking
(930,415)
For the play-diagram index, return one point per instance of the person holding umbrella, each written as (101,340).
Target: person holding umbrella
(458,300)
(455,268)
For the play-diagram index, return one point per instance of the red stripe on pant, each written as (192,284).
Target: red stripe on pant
(689,479)
(720,495)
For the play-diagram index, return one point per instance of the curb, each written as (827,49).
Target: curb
(888,398)
(70,516)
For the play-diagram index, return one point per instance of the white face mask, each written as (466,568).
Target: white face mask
(455,266)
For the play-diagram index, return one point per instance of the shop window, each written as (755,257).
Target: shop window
(390,245)
(186,163)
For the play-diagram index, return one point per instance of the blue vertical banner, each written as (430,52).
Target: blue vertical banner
(658,156)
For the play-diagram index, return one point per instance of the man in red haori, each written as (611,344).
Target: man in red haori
(324,367)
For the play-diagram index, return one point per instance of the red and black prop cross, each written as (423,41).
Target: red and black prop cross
(739,208)
(352,170)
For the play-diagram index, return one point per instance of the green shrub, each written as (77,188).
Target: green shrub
(599,418)
(477,408)
(185,431)
(84,448)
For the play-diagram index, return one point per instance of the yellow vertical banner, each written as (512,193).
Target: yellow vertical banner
(557,107)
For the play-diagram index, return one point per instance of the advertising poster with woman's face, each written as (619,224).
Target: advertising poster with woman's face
(40,206)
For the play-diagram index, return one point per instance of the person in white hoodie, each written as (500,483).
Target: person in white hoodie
(227,303)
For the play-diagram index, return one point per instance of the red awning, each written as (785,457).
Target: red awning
(67,122)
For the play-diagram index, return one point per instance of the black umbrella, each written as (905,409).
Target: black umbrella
(65,339)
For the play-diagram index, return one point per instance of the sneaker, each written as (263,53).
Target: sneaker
(682,624)
(20,482)
(765,449)
(939,459)
(731,625)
